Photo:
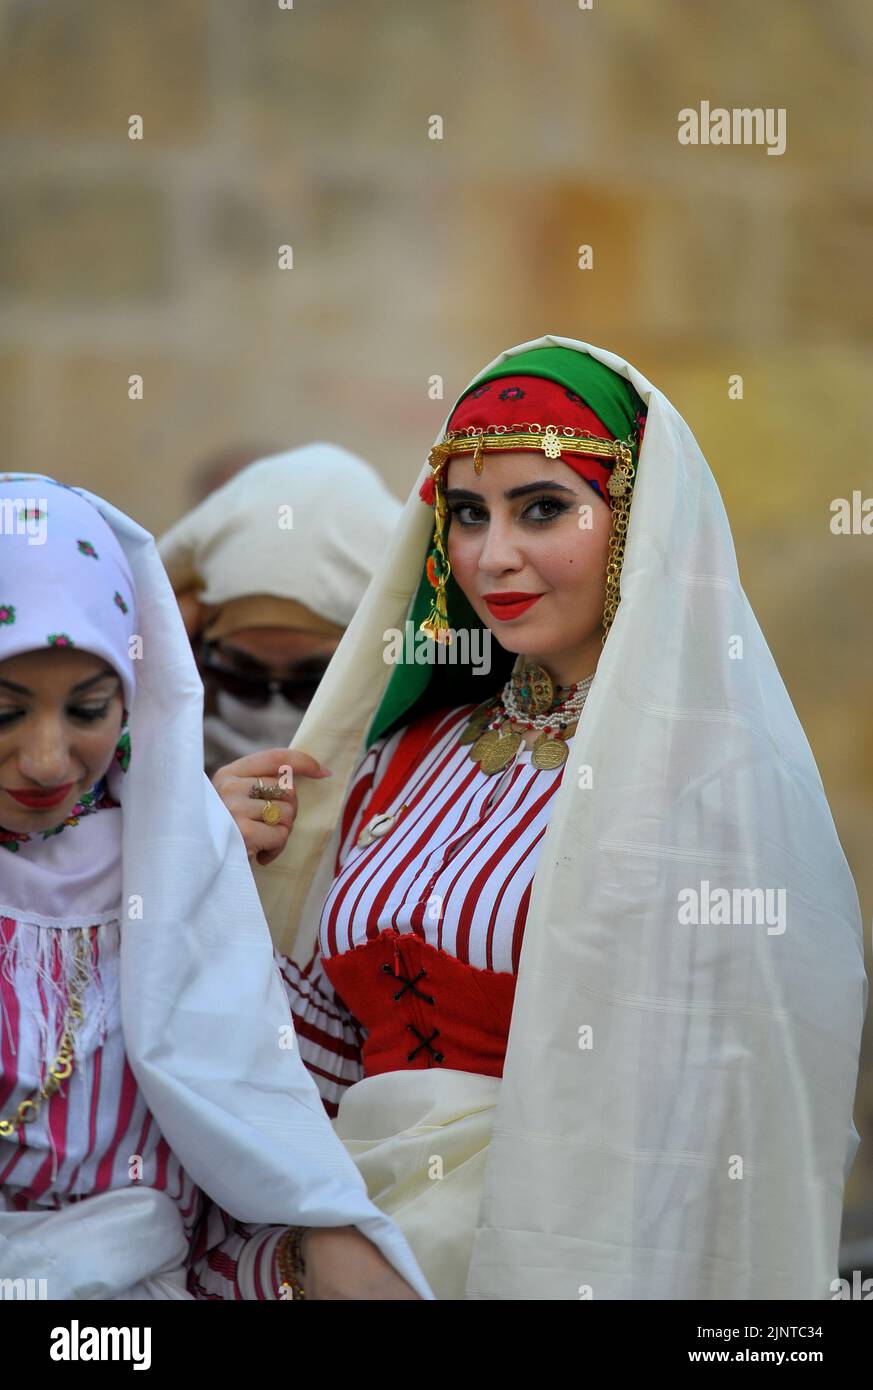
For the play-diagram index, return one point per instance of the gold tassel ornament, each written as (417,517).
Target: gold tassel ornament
(436,624)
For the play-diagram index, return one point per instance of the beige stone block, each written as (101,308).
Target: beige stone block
(796,441)
(80,69)
(13,378)
(87,241)
(827,275)
(137,453)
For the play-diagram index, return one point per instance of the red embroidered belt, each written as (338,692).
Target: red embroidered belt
(422,1007)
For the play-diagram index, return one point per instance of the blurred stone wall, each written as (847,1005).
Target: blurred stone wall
(412,256)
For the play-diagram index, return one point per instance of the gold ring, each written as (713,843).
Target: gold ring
(271,815)
(274,792)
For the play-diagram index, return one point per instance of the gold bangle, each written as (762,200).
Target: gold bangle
(290,1261)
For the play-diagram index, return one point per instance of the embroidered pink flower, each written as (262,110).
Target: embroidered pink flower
(86,548)
(119,602)
(60,639)
(7,614)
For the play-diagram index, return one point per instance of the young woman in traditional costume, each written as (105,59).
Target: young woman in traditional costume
(587,985)
(159,1136)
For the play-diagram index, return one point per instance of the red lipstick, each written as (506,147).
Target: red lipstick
(41,800)
(510,603)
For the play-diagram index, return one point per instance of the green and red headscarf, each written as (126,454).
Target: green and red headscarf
(548,400)
(564,388)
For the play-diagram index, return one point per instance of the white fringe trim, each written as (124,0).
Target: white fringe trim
(39,963)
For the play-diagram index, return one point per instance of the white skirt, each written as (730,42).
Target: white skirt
(420,1140)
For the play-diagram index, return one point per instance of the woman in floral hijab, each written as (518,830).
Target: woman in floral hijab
(159,1137)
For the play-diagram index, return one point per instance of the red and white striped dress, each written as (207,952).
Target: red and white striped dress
(454,873)
(96,1133)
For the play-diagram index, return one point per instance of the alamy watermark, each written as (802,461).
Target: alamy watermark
(741,125)
(741,907)
(77,1343)
(468,647)
(25,516)
(23,1288)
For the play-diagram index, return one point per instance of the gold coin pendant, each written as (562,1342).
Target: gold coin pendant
(483,743)
(500,754)
(476,723)
(549,753)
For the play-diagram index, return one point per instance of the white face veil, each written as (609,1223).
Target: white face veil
(204,1013)
(675,1117)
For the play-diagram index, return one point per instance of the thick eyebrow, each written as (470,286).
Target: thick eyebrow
(76,689)
(456,492)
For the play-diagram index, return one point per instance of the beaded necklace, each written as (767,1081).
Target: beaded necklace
(529,700)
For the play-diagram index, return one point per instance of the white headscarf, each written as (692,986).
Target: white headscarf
(202,1005)
(64,582)
(298,535)
(698,1147)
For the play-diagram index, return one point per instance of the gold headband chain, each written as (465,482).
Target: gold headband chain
(549,439)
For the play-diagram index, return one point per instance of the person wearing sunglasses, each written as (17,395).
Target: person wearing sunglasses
(268,571)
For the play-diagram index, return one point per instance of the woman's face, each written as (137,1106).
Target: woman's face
(529,524)
(60,719)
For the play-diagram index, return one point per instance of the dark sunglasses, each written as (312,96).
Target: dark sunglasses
(257,690)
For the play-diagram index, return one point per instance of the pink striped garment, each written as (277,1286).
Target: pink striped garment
(456,870)
(96,1133)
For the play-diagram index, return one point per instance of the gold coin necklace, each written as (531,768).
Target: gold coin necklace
(528,699)
(61,1068)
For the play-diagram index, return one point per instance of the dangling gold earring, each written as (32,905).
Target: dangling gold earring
(436,624)
(621,491)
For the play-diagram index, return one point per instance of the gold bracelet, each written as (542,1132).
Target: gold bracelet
(290,1261)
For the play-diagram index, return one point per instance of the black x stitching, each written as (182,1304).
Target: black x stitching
(409,982)
(425,1042)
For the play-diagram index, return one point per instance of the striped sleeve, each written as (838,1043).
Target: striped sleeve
(330,1039)
(230,1260)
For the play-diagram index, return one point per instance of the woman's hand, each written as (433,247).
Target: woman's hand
(343,1264)
(234,784)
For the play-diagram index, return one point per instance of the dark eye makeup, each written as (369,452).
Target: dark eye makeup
(86,714)
(455,508)
(89,713)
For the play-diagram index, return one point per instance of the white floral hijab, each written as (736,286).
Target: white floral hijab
(65,582)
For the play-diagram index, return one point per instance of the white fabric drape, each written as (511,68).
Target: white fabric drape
(128,1243)
(696,1142)
(309,524)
